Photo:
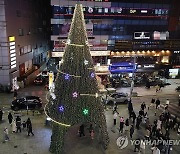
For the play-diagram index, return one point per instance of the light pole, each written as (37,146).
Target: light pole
(133,76)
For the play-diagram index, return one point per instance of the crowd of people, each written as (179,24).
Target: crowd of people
(159,129)
(16,125)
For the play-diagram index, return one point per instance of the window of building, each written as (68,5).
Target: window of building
(20,31)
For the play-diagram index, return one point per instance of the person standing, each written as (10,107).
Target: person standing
(6,137)
(18,124)
(1,114)
(115,115)
(131,131)
(134,117)
(152,102)
(81,130)
(30,129)
(121,125)
(10,117)
(155,150)
(13,126)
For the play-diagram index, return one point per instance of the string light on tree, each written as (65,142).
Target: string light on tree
(61,108)
(66,76)
(75,94)
(85,111)
(86,62)
(92,75)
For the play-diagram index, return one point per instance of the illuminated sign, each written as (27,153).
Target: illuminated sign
(11,38)
(141,35)
(177,51)
(12,50)
(149,66)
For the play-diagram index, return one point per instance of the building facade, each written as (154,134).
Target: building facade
(24,38)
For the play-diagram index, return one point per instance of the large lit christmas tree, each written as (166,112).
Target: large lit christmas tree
(76,98)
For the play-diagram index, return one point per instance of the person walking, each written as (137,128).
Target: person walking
(1,114)
(18,124)
(13,124)
(152,102)
(155,150)
(30,129)
(157,103)
(115,115)
(131,131)
(134,117)
(137,145)
(10,117)
(81,130)
(127,124)
(28,122)
(143,106)
(15,94)
(6,136)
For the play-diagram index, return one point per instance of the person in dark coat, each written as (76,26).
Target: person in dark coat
(143,106)
(1,114)
(10,117)
(152,102)
(18,124)
(137,146)
(131,131)
(81,130)
(15,94)
(28,122)
(134,117)
(157,103)
(138,121)
(121,126)
(30,129)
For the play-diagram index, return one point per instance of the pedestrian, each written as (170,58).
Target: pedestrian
(121,126)
(24,125)
(147,136)
(138,121)
(134,117)
(142,146)
(81,130)
(92,134)
(127,124)
(143,106)
(30,129)
(131,131)
(1,114)
(15,94)
(174,122)
(159,124)
(115,117)
(157,103)
(155,150)
(137,145)
(6,136)
(167,101)
(152,102)
(115,108)
(18,124)
(10,117)
(157,88)
(13,124)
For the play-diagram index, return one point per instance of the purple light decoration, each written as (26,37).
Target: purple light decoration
(92,75)
(61,108)
(75,94)
(66,77)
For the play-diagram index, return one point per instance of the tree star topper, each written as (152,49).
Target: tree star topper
(61,108)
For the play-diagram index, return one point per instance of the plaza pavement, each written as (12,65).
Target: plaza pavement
(39,144)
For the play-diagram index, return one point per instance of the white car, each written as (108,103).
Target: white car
(115,98)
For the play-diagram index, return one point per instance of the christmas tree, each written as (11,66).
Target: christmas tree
(76,98)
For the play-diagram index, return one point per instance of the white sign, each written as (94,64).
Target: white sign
(177,51)
(141,35)
(149,66)
(173,72)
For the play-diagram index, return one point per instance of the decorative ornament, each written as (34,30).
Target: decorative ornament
(92,75)
(86,62)
(53,95)
(97,95)
(85,111)
(61,108)
(68,41)
(66,76)
(75,94)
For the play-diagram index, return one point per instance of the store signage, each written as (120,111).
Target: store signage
(177,51)
(141,35)
(12,50)
(149,66)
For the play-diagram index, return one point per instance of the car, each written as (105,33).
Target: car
(39,80)
(28,102)
(115,98)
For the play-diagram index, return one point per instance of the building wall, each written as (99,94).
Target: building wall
(26,21)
